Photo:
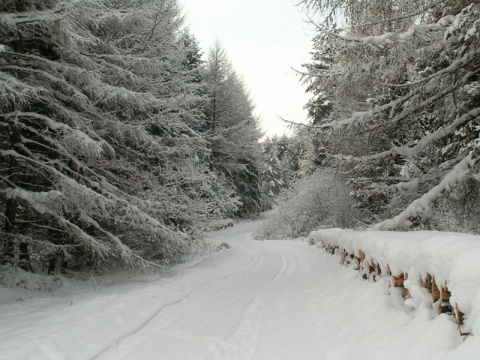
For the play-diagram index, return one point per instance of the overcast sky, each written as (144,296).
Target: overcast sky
(263,40)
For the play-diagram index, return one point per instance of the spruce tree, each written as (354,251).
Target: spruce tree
(233,131)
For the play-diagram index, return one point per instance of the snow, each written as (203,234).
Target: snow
(37,199)
(425,203)
(259,300)
(436,135)
(452,258)
(404,36)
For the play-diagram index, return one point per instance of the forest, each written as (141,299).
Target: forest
(393,138)
(121,140)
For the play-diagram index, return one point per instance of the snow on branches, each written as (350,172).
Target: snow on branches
(98,147)
(424,204)
(403,86)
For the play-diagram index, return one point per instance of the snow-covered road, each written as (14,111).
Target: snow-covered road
(237,307)
(282,300)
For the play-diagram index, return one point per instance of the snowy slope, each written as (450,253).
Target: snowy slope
(281,300)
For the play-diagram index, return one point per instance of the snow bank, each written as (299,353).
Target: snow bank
(15,277)
(452,259)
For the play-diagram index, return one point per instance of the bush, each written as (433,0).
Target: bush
(321,200)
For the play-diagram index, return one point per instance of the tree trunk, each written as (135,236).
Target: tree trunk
(9,255)
(214,112)
(9,246)
(11,208)
(24,257)
(56,264)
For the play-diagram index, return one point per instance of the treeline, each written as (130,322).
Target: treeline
(394,110)
(119,142)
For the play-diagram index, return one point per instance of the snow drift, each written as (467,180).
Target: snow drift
(451,259)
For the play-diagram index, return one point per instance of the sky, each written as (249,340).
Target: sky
(264,40)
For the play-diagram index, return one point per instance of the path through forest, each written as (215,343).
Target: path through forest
(283,300)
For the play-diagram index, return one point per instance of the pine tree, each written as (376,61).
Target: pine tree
(271,174)
(233,131)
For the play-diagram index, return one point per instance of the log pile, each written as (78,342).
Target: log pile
(371,270)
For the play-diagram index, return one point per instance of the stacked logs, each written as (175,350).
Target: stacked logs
(371,270)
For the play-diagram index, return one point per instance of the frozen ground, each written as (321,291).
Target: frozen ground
(282,300)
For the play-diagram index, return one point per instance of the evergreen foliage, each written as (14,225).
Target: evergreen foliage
(395,99)
(319,200)
(233,131)
(281,165)
(101,159)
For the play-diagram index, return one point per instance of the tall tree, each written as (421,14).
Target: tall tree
(233,130)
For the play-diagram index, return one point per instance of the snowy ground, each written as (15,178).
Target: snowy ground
(282,300)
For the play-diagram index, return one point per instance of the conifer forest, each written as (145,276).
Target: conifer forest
(122,140)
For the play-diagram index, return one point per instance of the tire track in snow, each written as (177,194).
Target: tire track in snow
(134,337)
(291,337)
(243,339)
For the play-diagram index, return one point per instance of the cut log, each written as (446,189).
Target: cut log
(459,317)
(389,271)
(361,255)
(445,306)
(435,290)
(357,264)
(397,281)
(446,294)
(427,282)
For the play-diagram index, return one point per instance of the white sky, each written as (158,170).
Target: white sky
(263,40)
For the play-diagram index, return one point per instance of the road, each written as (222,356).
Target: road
(257,298)
(260,300)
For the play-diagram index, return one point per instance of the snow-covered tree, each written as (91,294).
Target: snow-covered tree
(271,174)
(318,200)
(233,130)
(395,98)
(282,164)
(99,159)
